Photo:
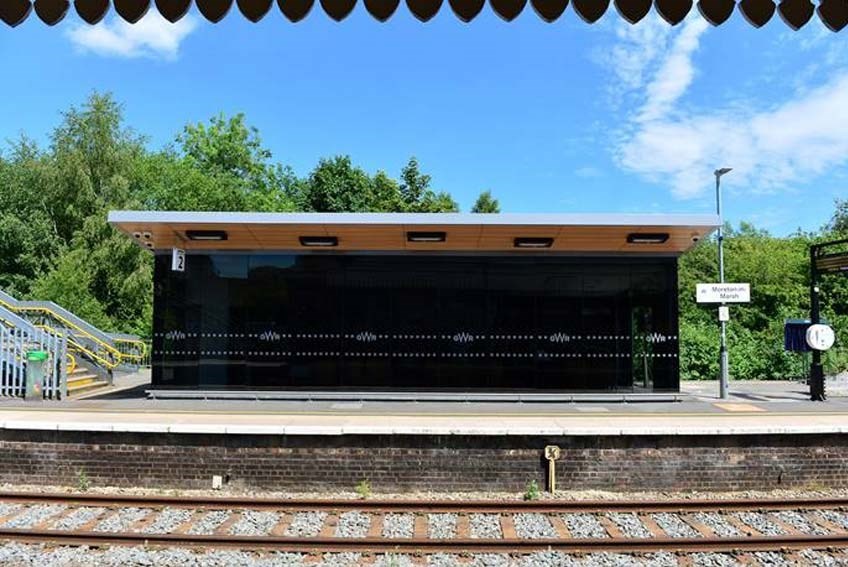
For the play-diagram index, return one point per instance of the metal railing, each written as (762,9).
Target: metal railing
(132,348)
(106,351)
(18,337)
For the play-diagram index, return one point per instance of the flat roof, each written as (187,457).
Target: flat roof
(464,232)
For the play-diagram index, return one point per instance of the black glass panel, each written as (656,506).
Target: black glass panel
(320,321)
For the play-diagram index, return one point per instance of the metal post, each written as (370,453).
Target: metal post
(817,393)
(723,380)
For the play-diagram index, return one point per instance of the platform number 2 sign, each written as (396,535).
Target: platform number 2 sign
(178,260)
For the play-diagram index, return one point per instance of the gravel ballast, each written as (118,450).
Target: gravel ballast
(799,522)
(771,558)
(306,524)
(838,518)
(78,518)
(629,524)
(674,526)
(8,509)
(717,524)
(393,560)
(255,523)
(345,559)
(533,526)
(490,560)
(820,559)
(353,524)
(761,523)
(19,555)
(121,520)
(714,560)
(623,560)
(33,515)
(443,560)
(548,559)
(441,526)
(168,520)
(398,526)
(584,526)
(208,523)
(485,526)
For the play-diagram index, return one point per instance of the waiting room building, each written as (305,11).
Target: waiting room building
(415,302)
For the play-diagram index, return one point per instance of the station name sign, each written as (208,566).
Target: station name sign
(723,293)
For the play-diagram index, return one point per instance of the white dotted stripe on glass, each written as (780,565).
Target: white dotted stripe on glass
(409,354)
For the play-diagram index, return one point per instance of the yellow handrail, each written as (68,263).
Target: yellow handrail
(72,362)
(110,365)
(121,356)
(73,326)
(141,345)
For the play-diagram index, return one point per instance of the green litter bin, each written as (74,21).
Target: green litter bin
(36,370)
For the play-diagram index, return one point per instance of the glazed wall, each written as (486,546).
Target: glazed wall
(381,321)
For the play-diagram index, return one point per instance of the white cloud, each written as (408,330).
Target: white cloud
(668,142)
(152,36)
(676,72)
(636,50)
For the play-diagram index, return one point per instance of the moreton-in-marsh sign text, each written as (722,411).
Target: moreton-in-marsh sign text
(723,293)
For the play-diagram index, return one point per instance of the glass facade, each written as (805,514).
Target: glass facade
(417,322)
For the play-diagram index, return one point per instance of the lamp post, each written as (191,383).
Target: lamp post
(723,380)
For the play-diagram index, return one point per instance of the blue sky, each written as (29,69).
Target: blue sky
(561,117)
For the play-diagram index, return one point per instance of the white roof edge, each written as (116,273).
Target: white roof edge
(564,219)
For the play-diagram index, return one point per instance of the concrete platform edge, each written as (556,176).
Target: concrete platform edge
(342,430)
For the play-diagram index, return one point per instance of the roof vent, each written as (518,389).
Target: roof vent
(426,236)
(326,241)
(647,237)
(206,234)
(533,242)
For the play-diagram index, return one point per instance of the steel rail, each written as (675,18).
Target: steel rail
(421,505)
(422,545)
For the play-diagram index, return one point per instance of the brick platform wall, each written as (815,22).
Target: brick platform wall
(401,463)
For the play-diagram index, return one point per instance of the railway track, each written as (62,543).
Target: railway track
(426,527)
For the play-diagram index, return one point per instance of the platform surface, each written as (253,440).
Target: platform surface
(775,407)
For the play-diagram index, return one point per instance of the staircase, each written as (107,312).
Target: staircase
(19,337)
(83,381)
(88,355)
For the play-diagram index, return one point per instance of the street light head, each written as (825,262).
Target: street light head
(722,171)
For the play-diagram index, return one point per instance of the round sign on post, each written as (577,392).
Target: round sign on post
(820,337)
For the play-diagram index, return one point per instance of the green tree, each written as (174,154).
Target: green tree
(416,193)
(70,285)
(226,145)
(222,166)
(336,185)
(839,222)
(92,158)
(25,251)
(28,234)
(90,168)
(777,269)
(414,184)
(485,203)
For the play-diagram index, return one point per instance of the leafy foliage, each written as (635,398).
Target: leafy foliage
(778,271)
(363,488)
(532,492)
(485,203)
